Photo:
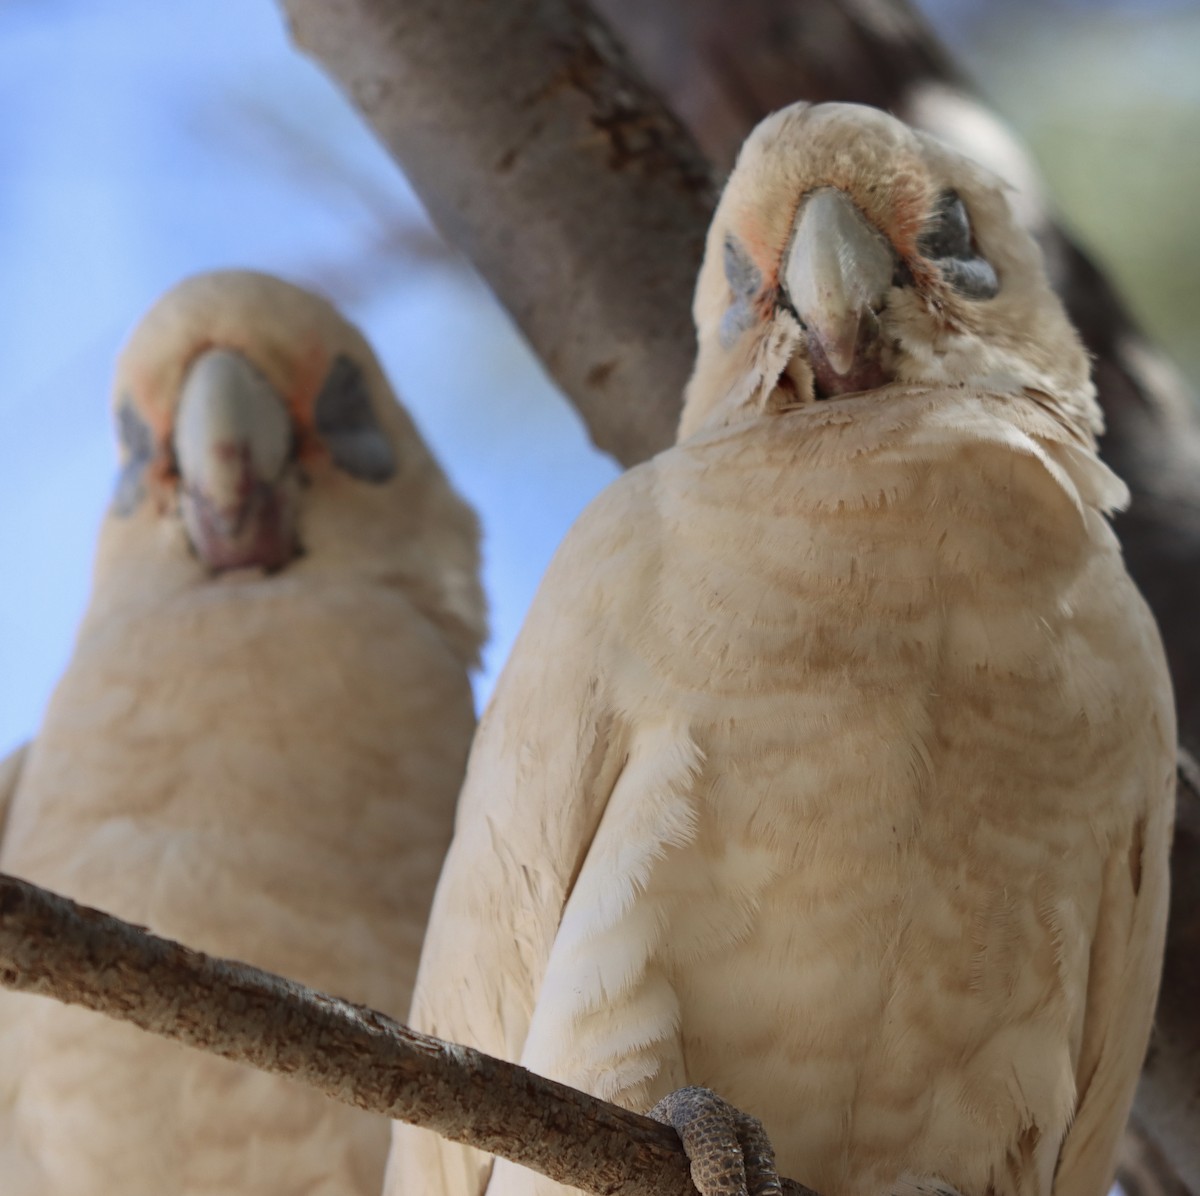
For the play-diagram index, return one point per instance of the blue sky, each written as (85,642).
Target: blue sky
(157,140)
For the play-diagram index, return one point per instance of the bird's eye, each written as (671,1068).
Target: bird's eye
(137,448)
(948,233)
(745,281)
(348,425)
(947,242)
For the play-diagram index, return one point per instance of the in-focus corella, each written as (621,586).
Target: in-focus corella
(256,747)
(833,768)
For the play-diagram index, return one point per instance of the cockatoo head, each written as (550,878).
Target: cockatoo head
(850,252)
(260,438)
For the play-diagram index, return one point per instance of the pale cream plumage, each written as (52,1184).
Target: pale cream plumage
(261,765)
(10,774)
(833,767)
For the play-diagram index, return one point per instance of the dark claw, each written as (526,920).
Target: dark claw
(729,1150)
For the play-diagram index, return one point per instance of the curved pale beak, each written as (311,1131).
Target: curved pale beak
(233,446)
(837,273)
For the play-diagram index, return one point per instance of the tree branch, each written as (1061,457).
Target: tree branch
(724,66)
(524,130)
(52,947)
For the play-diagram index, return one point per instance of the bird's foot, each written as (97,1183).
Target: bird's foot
(729,1150)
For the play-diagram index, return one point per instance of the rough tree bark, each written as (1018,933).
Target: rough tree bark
(53,947)
(728,64)
(523,127)
(723,66)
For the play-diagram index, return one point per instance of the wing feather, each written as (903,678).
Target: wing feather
(546,756)
(1124,974)
(10,777)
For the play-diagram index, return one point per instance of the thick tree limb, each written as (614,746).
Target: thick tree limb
(525,132)
(52,947)
(723,66)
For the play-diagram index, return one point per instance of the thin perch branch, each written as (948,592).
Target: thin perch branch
(53,947)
